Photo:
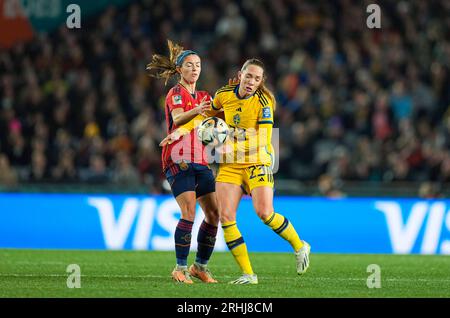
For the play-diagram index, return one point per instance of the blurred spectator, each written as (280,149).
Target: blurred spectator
(97,172)
(401,101)
(124,172)
(16,146)
(444,174)
(429,190)
(232,24)
(39,171)
(328,187)
(353,103)
(65,170)
(8,176)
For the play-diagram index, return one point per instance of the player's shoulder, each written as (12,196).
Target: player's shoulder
(175,90)
(176,96)
(175,93)
(263,98)
(226,88)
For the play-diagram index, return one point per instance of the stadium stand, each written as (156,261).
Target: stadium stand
(356,106)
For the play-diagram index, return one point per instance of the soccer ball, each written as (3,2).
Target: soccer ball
(212,131)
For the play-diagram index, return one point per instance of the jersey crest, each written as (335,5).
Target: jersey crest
(236,119)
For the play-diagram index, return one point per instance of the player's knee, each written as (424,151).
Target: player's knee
(264,212)
(188,213)
(212,216)
(225,218)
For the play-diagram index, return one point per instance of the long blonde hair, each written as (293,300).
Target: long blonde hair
(166,66)
(262,86)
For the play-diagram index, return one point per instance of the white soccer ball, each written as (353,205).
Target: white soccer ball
(212,131)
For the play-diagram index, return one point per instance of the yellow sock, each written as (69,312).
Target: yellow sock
(280,225)
(236,244)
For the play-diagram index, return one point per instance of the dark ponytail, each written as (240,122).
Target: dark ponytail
(166,66)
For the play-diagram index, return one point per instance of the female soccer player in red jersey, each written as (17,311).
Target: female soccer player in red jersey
(188,174)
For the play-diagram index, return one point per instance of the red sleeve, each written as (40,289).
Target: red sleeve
(175,99)
(202,94)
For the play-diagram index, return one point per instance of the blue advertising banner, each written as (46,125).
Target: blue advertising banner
(68,221)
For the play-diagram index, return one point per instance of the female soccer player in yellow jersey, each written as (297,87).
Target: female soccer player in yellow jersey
(248,107)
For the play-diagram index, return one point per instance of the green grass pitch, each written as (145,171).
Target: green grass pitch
(42,273)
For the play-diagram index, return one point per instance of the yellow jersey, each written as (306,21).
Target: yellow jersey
(251,119)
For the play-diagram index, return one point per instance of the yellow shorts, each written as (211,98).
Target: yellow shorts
(246,177)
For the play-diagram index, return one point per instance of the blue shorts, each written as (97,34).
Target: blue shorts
(194,177)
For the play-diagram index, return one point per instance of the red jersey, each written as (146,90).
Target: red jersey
(189,148)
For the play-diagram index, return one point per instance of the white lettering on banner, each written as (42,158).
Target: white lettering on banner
(445,246)
(403,237)
(144,224)
(117,232)
(433,229)
(167,218)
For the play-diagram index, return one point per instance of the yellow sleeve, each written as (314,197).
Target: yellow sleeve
(265,130)
(265,122)
(261,137)
(256,139)
(257,145)
(192,124)
(265,115)
(216,102)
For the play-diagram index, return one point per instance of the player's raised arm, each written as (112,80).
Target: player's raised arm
(193,123)
(186,128)
(181,117)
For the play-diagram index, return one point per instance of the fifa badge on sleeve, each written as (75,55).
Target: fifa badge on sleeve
(176,99)
(266,112)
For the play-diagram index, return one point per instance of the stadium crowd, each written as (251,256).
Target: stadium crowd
(353,103)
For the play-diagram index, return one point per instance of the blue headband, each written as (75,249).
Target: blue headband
(183,55)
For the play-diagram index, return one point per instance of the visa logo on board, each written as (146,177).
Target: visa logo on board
(403,233)
(144,212)
(403,226)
